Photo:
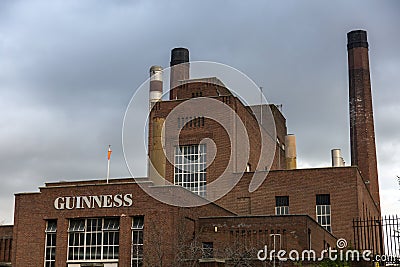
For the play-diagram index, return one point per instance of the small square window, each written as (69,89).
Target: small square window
(208,250)
(282,205)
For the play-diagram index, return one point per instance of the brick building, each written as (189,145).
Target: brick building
(119,223)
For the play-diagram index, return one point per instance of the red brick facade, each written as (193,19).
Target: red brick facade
(163,224)
(171,232)
(248,234)
(193,133)
(349,195)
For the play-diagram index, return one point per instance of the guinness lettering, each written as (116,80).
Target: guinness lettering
(91,202)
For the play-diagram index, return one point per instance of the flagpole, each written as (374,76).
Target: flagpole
(108,162)
(261,103)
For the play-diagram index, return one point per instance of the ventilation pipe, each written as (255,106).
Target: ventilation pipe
(337,160)
(290,152)
(157,156)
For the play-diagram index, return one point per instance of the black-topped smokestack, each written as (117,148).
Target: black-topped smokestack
(179,69)
(357,38)
(179,55)
(362,133)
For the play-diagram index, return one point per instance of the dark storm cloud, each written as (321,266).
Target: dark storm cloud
(69,68)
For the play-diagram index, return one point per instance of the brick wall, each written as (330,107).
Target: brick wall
(163,223)
(193,133)
(238,239)
(348,194)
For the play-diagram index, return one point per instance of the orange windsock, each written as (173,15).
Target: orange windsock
(109,152)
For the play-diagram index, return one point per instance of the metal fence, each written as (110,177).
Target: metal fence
(380,235)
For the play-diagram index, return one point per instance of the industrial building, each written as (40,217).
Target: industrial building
(118,222)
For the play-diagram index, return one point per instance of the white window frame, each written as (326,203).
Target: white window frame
(324,216)
(50,244)
(137,243)
(89,229)
(281,210)
(190,168)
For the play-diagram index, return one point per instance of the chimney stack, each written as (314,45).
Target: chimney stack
(337,160)
(362,134)
(290,152)
(179,69)
(156,85)
(157,156)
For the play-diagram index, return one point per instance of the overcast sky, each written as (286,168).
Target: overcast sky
(69,68)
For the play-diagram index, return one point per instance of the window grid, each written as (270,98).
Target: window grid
(282,205)
(110,238)
(324,216)
(93,239)
(137,241)
(190,168)
(323,211)
(282,210)
(50,249)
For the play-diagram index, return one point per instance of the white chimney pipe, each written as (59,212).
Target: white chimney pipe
(156,85)
(290,152)
(337,160)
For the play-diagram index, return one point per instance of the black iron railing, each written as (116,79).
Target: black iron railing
(380,235)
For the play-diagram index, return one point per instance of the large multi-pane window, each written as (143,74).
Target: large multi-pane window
(50,249)
(93,239)
(137,241)
(190,168)
(323,210)
(282,205)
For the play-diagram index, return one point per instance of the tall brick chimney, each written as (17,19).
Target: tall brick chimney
(362,134)
(179,69)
